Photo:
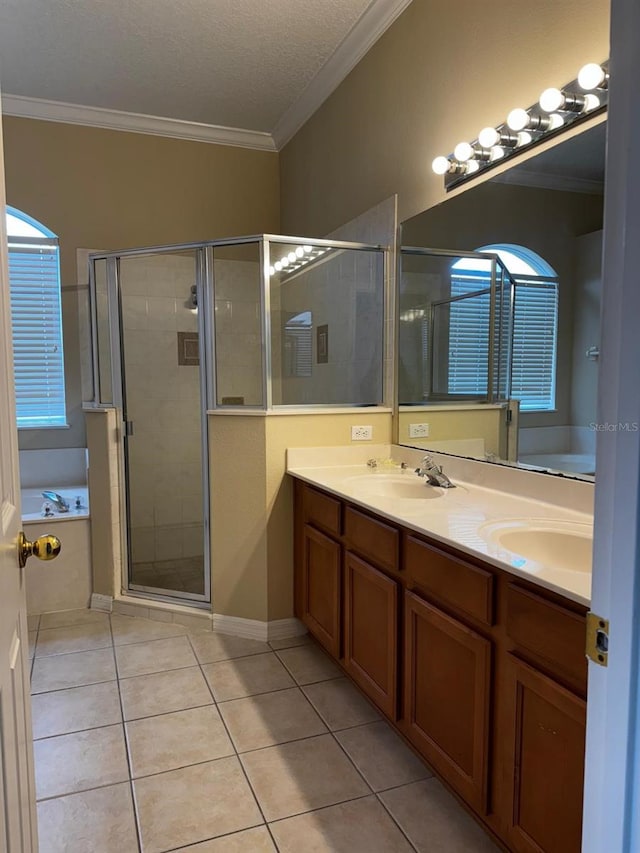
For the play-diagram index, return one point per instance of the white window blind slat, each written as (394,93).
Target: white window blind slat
(34,280)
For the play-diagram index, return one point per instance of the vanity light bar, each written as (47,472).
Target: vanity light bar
(555,110)
(295,259)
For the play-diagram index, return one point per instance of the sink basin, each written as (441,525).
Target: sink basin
(396,486)
(561,546)
(567,552)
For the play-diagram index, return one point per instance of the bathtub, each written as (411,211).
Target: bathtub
(33,503)
(574,463)
(66,582)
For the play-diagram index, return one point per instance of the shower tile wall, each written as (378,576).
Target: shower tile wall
(163,401)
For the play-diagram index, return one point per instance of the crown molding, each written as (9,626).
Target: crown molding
(547,181)
(59,111)
(364,34)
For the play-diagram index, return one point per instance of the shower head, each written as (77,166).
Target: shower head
(192,302)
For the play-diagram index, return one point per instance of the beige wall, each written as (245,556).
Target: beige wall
(252,503)
(107,189)
(586,327)
(104,500)
(436,77)
(449,429)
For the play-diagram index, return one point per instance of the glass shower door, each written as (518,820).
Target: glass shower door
(164,455)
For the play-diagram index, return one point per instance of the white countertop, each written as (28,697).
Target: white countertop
(465,517)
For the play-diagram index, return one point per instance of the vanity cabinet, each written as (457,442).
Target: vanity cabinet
(371,601)
(546,762)
(447,690)
(321,589)
(482,672)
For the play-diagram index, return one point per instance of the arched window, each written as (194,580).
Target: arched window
(535,322)
(36,319)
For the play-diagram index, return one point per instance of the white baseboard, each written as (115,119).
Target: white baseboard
(101,602)
(254,629)
(201,620)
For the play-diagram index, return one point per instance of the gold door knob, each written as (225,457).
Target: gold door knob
(45,547)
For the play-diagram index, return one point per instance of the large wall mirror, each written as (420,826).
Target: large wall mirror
(499,314)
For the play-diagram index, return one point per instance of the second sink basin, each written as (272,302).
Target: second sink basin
(536,544)
(399,486)
(567,552)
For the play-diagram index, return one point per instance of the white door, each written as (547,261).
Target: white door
(18,832)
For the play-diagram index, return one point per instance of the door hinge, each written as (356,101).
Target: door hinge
(597,639)
(128,428)
(509,414)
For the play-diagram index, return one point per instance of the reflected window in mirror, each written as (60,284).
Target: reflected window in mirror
(535,326)
(297,341)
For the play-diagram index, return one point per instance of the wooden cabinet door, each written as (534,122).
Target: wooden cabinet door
(322,589)
(447,692)
(545,762)
(371,632)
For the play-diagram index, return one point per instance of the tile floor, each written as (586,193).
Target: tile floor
(150,737)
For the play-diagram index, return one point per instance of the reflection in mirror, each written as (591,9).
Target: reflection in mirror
(542,219)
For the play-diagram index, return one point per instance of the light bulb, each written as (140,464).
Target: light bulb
(441,165)
(555,121)
(497,153)
(299,252)
(591,102)
(278,266)
(307,249)
(472,166)
(488,137)
(285,261)
(592,76)
(551,100)
(463,152)
(272,270)
(518,119)
(291,256)
(524,138)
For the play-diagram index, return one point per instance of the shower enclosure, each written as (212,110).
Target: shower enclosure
(254,323)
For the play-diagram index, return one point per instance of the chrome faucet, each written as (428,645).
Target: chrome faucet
(57,500)
(434,474)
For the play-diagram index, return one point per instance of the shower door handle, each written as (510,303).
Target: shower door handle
(128,428)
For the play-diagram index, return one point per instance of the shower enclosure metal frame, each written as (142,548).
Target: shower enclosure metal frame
(499,352)
(205,290)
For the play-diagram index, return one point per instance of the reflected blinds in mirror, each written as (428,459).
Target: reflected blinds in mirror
(535,332)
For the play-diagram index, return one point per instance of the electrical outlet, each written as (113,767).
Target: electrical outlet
(361,433)
(418,430)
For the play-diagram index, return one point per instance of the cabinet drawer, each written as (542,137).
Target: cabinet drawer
(448,580)
(549,632)
(373,539)
(321,510)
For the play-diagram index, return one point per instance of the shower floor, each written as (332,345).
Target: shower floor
(184,575)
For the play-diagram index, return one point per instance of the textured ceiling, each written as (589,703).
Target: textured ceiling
(236,63)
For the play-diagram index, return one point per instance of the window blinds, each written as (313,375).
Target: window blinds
(34,280)
(535,333)
(469,336)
